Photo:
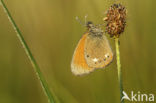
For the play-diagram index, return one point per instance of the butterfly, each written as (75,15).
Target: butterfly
(92,52)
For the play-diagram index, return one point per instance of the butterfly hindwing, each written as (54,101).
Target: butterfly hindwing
(98,52)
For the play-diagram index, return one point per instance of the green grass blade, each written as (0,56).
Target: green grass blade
(30,56)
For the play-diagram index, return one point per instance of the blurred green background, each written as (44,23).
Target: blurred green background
(52,33)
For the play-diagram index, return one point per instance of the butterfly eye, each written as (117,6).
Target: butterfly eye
(89,24)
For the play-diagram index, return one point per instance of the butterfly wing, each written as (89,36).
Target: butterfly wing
(78,64)
(98,52)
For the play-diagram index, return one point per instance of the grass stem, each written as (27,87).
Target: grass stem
(119,68)
(29,54)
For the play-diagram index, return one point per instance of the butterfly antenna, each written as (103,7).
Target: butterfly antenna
(86,19)
(85,22)
(77,18)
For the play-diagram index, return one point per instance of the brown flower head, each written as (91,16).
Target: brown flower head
(116,20)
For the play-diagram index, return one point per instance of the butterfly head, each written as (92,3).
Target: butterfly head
(94,30)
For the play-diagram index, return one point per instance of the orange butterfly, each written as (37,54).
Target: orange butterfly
(92,52)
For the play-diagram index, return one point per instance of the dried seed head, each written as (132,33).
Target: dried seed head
(116,20)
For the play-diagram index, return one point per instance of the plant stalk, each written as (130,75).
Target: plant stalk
(119,68)
(29,54)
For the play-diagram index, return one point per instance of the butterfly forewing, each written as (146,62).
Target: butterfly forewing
(79,65)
